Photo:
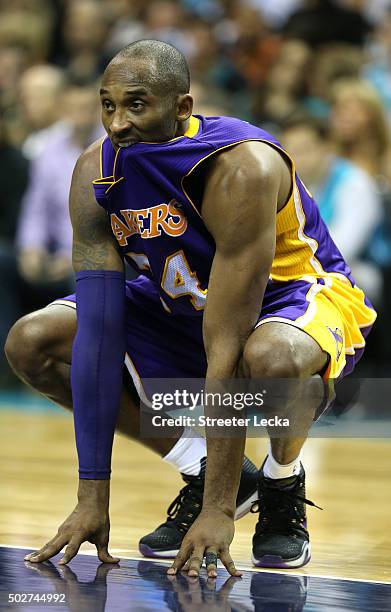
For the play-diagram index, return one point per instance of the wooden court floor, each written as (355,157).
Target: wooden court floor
(350,479)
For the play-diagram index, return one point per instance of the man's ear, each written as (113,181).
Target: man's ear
(184,107)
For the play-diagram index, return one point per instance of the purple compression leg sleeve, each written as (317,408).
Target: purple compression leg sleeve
(97,367)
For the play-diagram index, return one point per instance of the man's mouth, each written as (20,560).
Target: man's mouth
(123,144)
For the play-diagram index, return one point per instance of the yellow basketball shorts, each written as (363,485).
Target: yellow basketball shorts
(336,314)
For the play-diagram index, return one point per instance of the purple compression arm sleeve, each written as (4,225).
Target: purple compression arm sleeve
(97,367)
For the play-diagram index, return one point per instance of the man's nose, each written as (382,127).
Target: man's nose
(120,123)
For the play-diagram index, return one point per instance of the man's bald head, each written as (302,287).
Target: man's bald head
(155,63)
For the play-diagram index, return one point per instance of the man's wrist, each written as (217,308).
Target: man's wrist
(95,491)
(219,508)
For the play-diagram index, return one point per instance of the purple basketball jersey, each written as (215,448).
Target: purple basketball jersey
(160,230)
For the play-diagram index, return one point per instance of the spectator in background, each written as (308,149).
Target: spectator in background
(261,60)
(27,24)
(13,181)
(127,26)
(359,125)
(210,10)
(164,20)
(319,22)
(378,67)
(276,12)
(347,197)
(328,64)
(203,54)
(208,101)
(373,11)
(39,269)
(247,50)
(360,130)
(13,61)
(85,30)
(284,90)
(25,36)
(41,88)
(44,239)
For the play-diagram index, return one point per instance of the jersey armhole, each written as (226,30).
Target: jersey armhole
(194,195)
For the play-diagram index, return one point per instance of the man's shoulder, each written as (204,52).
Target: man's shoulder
(89,161)
(93,151)
(253,158)
(239,144)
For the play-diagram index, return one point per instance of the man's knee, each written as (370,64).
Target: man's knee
(27,345)
(272,359)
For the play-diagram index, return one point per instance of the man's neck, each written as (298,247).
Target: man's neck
(182,127)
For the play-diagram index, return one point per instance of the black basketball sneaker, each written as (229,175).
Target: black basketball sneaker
(281,538)
(166,540)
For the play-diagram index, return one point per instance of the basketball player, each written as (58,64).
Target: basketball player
(240,278)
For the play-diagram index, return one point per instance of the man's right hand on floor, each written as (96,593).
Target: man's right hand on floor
(89,522)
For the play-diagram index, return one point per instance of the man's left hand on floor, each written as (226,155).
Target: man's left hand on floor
(209,537)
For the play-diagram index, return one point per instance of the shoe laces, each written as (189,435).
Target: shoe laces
(185,507)
(280,508)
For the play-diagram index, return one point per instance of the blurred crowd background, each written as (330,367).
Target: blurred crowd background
(316,73)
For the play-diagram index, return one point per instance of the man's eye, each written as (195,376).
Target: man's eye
(137,106)
(107,105)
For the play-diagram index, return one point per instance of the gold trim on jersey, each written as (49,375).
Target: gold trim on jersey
(121,178)
(295,253)
(101,156)
(295,250)
(108,180)
(136,379)
(146,265)
(192,130)
(231,144)
(63,302)
(165,306)
(191,274)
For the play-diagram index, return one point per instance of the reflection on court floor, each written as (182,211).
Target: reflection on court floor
(137,585)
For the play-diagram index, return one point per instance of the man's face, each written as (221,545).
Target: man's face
(132,109)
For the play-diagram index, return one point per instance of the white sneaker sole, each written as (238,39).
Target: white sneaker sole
(278,562)
(245,506)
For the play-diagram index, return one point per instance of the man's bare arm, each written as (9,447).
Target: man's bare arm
(239,208)
(94,246)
